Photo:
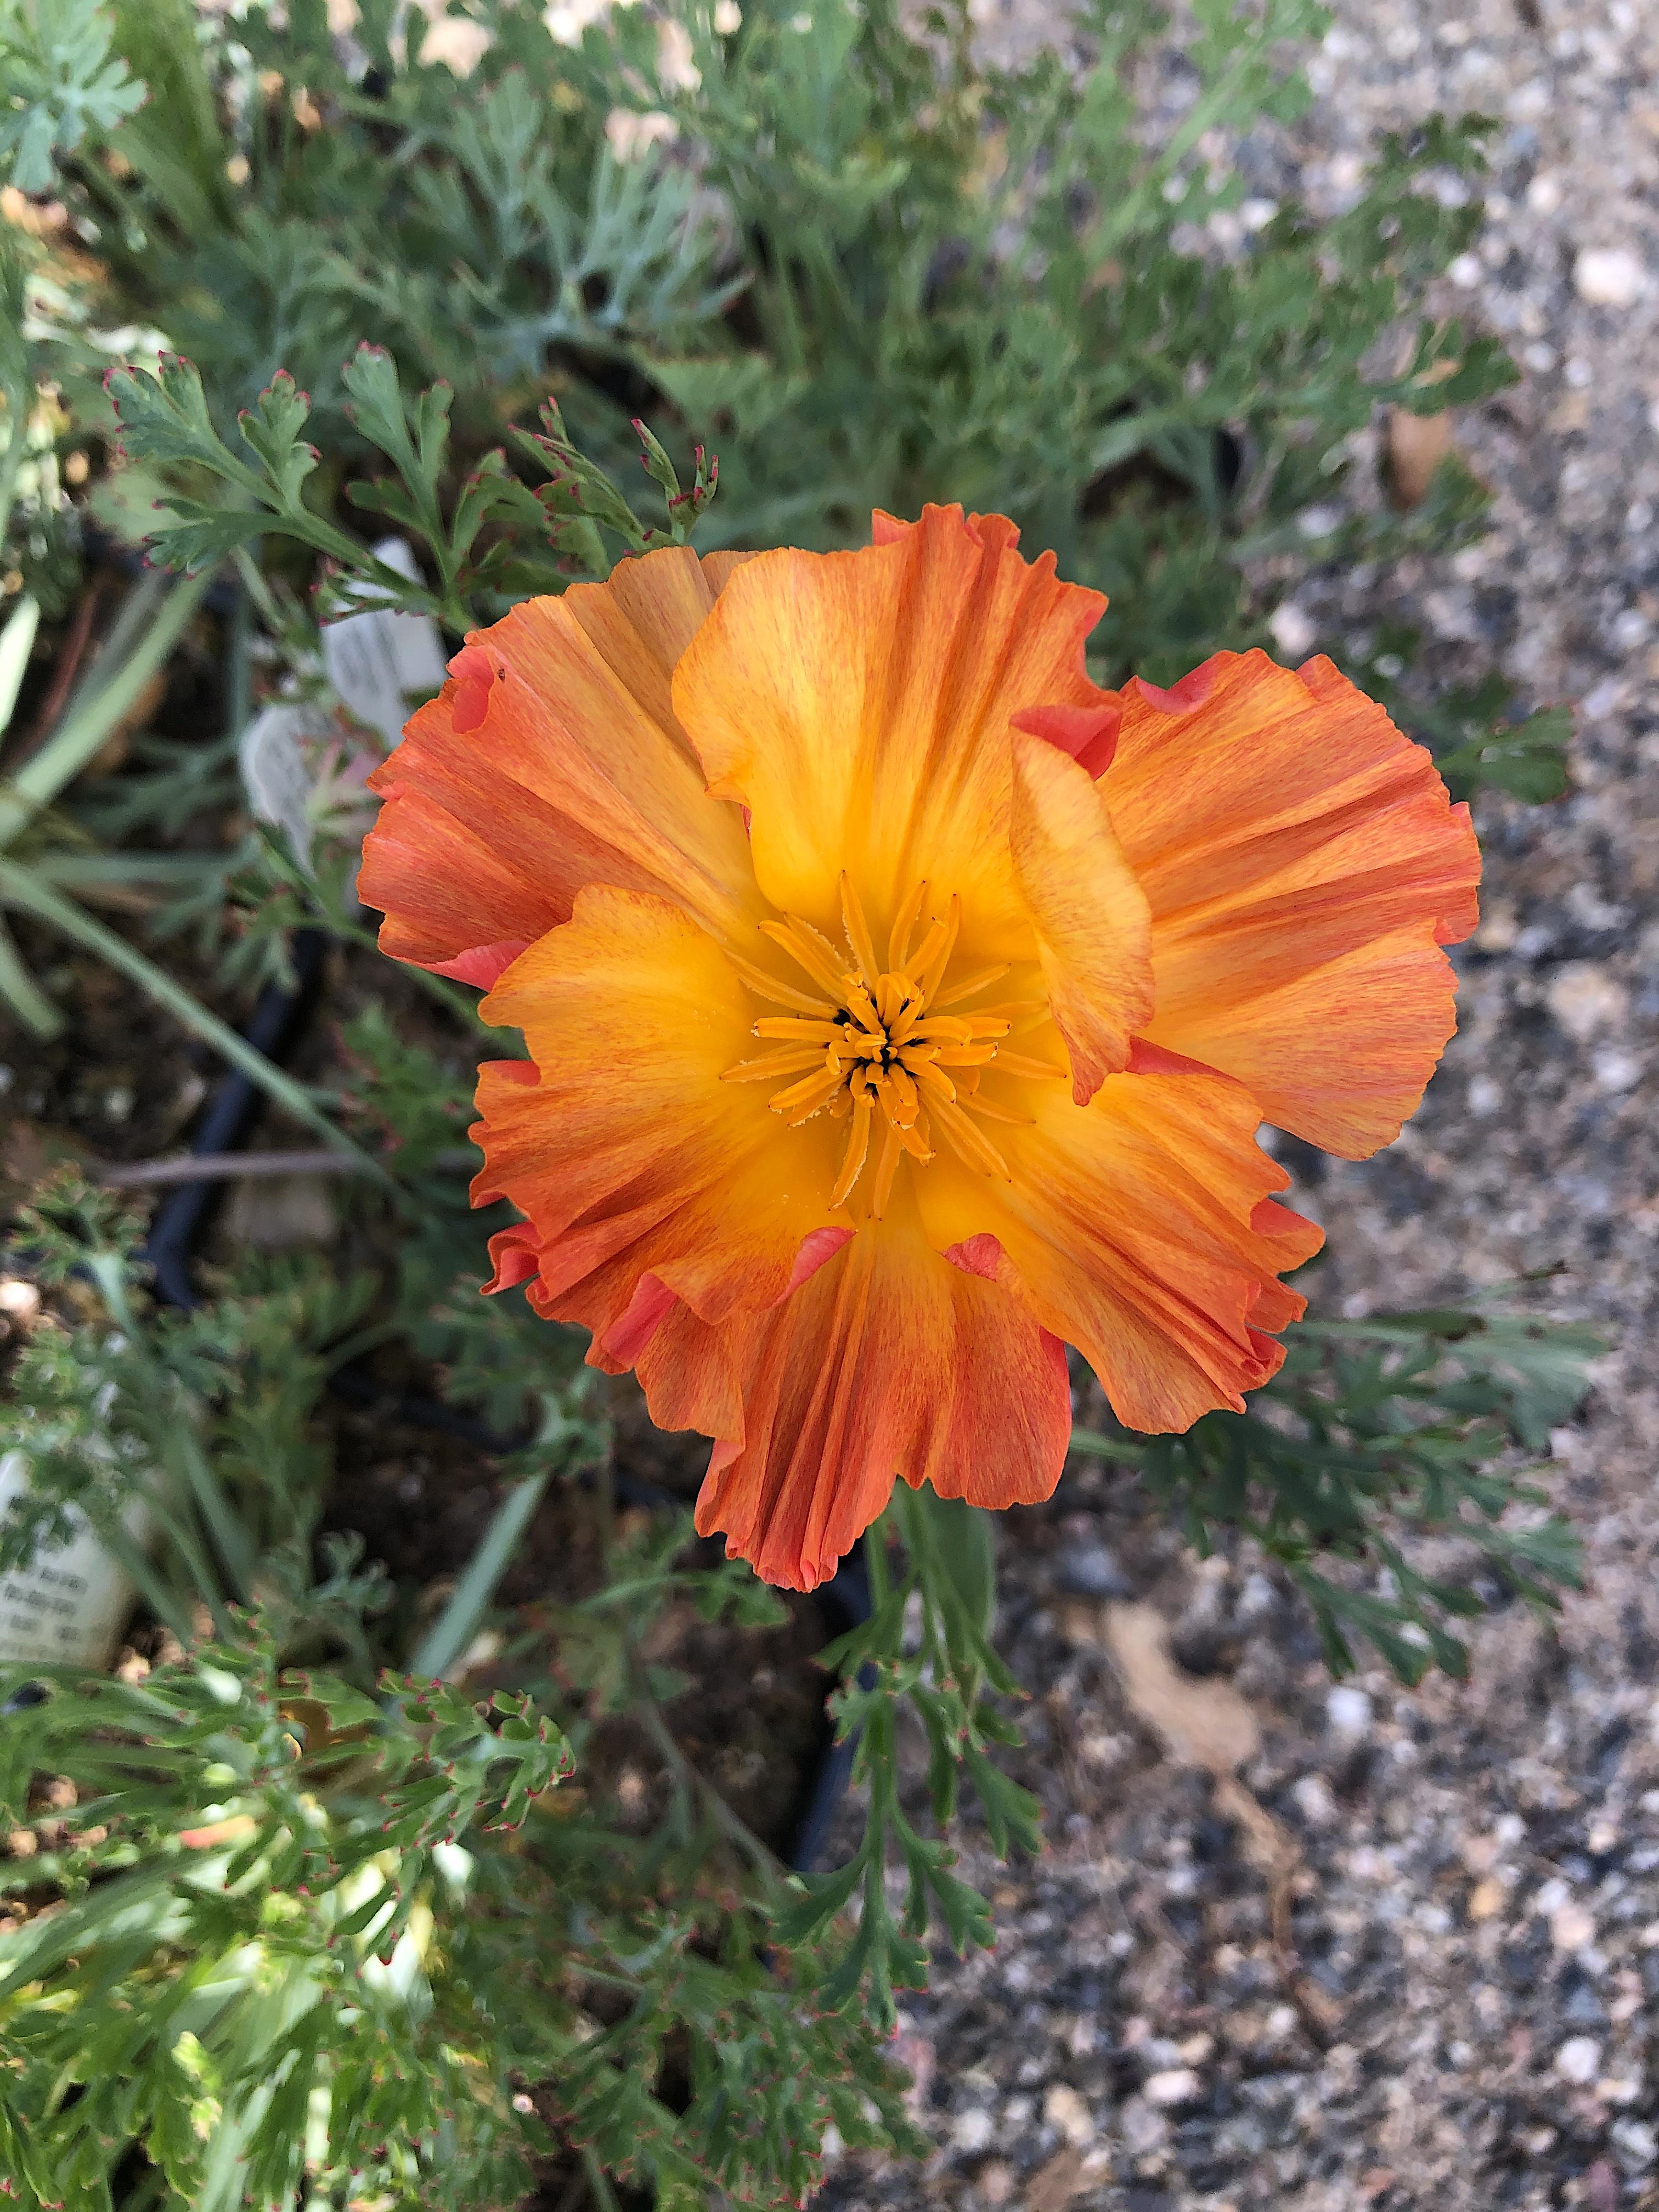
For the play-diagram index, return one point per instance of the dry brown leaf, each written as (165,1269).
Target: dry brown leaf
(1417,444)
(1069,2174)
(1208,1724)
(1204,1723)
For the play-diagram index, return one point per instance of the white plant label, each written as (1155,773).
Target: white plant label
(67,1607)
(377,659)
(276,773)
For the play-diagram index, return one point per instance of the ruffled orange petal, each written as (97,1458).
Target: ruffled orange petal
(1143,1229)
(1094,930)
(1303,865)
(550,760)
(863,708)
(643,1176)
(890,1362)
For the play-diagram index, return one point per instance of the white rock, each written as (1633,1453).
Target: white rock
(1578,2058)
(1312,1797)
(1062,2108)
(1485,1095)
(1609,277)
(1177,2086)
(1293,630)
(972,2131)
(1583,997)
(1347,1711)
(1615,1070)
(1635,2142)
(1142,2129)
(1571,1927)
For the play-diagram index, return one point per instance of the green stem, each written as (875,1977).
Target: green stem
(688,1779)
(20,991)
(19,888)
(875,1561)
(17,639)
(85,727)
(134,1563)
(1092,1445)
(599,2182)
(451,1633)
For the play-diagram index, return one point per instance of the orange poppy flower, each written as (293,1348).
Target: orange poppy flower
(902,1006)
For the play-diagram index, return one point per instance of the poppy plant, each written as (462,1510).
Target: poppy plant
(900,1007)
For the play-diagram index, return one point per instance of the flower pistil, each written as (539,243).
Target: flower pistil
(875,1046)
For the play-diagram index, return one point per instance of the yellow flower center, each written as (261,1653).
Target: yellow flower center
(874,1045)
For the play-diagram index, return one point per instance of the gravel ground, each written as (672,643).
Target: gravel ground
(1408,1953)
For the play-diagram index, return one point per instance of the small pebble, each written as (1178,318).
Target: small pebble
(1294,631)
(1311,1796)
(1347,1710)
(1179,2084)
(1571,1928)
(1616,1070)
(1093,1573)
(972,2131)
(1609,277)
(1635,2143)
(1578,2058)
(1143,2129)
(1062,2108)
(1583,997)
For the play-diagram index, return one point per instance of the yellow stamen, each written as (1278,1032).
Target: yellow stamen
(929,977)
(862,1007)
(898,944)
(937,936)
(780,995)
(793,1025)
(993,1112)
(968,985)
(930,1083)
(902,1086)
(803,1099)
(772,1064)
(878,1052)
(857,1147)
(943,1028)
(1016,1063)
(970,1144)
(913,1138)
(858,931)
(810,952)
